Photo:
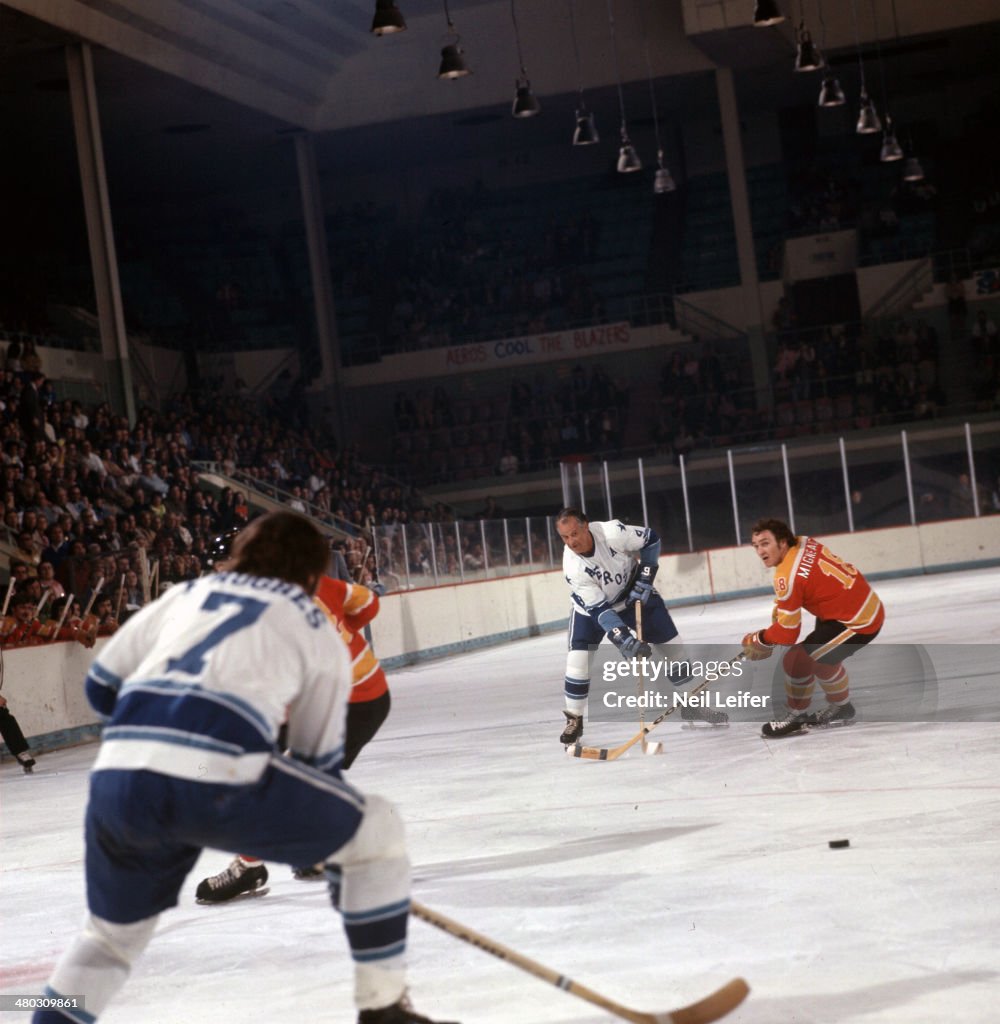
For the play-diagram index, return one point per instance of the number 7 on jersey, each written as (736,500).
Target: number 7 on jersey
(248,611)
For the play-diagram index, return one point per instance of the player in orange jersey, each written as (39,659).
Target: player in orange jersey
(849,614)
(350,607)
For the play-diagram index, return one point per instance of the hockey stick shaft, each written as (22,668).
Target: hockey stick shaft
(10,590)
(613,753)
(647,748)
(642,688)
(64,613)
(706,1010)
(93,596)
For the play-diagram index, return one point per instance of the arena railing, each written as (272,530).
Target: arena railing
(820,484)
(269,495)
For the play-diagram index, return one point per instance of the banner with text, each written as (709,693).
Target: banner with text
(494,355)
(820,255)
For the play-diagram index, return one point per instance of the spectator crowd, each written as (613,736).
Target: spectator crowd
(98,516)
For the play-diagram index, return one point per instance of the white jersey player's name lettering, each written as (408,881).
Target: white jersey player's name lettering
(808,557)
(656,701)
(315,616)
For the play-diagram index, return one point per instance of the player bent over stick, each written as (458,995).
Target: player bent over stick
(194,689)
(609,567)
(848,613)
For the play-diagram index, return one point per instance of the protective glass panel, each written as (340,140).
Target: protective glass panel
(711,502)
(986,456)
(817,482)
(760,491)
(878,484)
(939,467)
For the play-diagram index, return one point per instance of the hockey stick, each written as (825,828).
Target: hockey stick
(647,748)
(93,596)
(359,571)
(613,753)
(46,594)
(144,576)
(118,602)
(10,590)
(711,1008)
(62,616)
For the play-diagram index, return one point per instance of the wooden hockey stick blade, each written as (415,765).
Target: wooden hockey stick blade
(605,753)
(706,1010)
(613,753)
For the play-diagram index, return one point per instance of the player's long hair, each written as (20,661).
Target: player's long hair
(283,545)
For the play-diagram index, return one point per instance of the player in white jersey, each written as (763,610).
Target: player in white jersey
(610,566)
(194,689)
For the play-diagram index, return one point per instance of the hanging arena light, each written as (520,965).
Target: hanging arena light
(388,19)
(585,130)
(525,102)
(628,158)
(807,56)
(452,64)
(830,93)
(766,13)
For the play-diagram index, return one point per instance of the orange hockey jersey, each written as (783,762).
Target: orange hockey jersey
(813,578)
(351,607)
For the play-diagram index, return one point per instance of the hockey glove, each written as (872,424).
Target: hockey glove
(629,644)
(755,648)
(643,585)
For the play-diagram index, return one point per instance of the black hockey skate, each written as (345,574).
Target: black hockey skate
(312,873)
(794,721)
(238,879)
(834,714)
(573,730)
(26,761)
(695,716)
(399,1013)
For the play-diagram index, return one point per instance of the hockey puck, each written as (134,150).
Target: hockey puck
(839,844)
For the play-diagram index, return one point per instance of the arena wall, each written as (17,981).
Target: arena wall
(463,615)
(44,685)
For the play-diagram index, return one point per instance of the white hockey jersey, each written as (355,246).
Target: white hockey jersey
(605,578)
(198,683)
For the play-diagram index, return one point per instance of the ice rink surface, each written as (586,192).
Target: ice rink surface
(651,879)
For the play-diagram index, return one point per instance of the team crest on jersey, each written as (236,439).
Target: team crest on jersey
(603,576)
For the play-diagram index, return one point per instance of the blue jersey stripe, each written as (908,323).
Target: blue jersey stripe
(105,676)
(174,689)
(188,712)
(163,734)
(99,697)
